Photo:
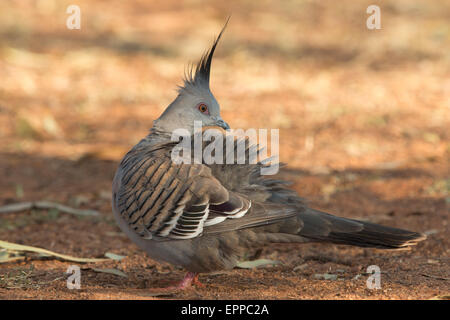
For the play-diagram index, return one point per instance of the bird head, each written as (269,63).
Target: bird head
(195,101)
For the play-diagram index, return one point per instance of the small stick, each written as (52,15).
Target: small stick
(434,277)
(22,206)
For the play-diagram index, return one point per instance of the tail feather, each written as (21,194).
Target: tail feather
(321,226)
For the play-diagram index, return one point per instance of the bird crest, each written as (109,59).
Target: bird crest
(198,75)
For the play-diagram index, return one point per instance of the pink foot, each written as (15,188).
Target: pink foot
(191,278)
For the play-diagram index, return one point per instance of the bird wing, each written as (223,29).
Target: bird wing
(163,200)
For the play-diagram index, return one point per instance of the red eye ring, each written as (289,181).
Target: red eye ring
(203,108)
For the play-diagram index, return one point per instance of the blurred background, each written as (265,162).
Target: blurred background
(364,115)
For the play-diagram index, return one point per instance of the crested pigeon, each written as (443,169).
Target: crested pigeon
(204,217)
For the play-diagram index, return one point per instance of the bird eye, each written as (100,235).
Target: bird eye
(203,108)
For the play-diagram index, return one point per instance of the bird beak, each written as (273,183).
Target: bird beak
(222,124)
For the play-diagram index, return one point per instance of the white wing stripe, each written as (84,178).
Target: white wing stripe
(187,225)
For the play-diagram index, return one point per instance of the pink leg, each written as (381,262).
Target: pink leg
(191,278)
(187,281)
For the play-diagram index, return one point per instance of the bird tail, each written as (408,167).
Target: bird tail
(321,226)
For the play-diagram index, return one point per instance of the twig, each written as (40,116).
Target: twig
(434,277)
(13,259)
(22,206)
(20,248)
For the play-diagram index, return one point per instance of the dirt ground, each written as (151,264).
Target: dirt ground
(363,118)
